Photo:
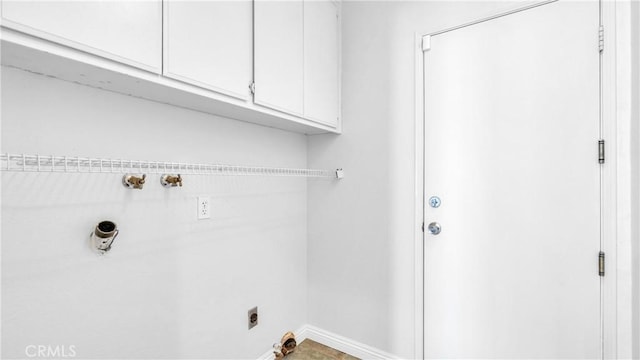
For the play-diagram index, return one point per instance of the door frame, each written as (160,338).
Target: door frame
(617,335)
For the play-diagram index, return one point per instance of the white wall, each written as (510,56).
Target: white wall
(361,231)
(172,287)
(635,180)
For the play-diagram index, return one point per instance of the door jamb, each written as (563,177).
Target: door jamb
(418,201)
(616,126)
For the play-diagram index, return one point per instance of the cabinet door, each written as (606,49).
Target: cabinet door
(209,44)
(321,62)
(126,31)
(279,59)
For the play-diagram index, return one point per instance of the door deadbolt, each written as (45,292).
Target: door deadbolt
(434,228)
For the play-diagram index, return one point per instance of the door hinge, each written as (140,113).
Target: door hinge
(252,88)
(601,263)
(601,38)
(601,151)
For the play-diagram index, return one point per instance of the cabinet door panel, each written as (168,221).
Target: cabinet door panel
(126,31)
(279,55)
(209,44)
(321,73)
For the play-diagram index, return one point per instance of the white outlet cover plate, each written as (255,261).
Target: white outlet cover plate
(204,207)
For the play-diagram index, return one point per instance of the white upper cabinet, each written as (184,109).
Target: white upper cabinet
(297,58)
(279,60)
(209,44)
(321,62)
(129,32)
(197,54)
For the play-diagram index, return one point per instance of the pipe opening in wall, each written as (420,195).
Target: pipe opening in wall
(106,227)
(103,235)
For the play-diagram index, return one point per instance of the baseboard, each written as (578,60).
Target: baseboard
(351,347)
(267,356)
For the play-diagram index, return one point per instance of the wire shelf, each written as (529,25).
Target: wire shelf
(76,164)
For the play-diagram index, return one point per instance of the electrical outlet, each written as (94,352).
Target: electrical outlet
(204,209)
(253,317)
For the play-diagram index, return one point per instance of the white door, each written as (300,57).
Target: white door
(126,31)
(210,44)
(511,130)
(278,55)
(321,64)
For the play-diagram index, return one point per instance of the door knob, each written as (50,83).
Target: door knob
(434,228)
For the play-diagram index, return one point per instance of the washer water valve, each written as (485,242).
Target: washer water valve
(133,182)
(171,180)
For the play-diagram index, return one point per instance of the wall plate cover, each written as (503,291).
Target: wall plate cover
(252,317)
(204,208)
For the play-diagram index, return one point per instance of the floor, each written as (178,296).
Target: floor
(311,350)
